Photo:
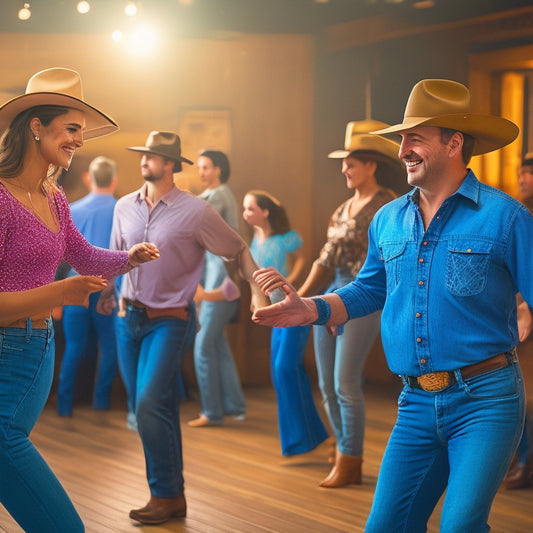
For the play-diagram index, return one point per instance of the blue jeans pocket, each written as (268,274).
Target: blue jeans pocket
(495,385)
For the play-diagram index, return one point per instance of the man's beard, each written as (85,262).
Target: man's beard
(152,177)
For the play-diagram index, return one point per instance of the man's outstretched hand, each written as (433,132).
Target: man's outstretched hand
(292,311)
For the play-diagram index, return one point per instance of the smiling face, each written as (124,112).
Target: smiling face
(424,155)
(61,138)
(356,172)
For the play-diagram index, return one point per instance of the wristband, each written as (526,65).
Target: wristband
(324,311)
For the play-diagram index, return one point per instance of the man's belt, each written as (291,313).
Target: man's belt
(437,381)
(166,312)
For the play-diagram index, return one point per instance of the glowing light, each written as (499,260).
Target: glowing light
(116,36)
(142,41)
(423,4)
(130,9)
(25,13)
(83,7)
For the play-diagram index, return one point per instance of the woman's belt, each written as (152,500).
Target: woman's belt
(152,312)
(437,381)
(36,323)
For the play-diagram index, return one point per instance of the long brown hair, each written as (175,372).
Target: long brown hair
(15,142)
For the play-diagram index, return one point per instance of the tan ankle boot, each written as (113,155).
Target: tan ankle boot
(159,510)
(347,470)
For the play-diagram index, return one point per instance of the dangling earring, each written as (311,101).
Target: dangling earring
(36,137)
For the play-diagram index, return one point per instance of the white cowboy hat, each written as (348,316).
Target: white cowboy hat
(57,86)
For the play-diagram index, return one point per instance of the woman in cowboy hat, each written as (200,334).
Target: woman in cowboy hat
(444,262)
(368,162)
(41,130)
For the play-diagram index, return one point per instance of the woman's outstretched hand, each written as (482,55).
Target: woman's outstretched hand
(141,253)
(76,289)
(292,311)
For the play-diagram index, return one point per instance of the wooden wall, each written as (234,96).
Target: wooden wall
(262,84)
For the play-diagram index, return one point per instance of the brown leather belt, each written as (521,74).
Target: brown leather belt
(437,381)
(36,323)
(152,312)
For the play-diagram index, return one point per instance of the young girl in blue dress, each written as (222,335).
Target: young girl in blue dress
(275,244)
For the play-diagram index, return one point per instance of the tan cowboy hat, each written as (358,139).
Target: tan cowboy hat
(166,144)
(446,104)
(59,87)
(358,138)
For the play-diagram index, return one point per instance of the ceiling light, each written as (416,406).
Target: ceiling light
(25,13)
(116,36)
(83,7)
(423,4)
(130,9)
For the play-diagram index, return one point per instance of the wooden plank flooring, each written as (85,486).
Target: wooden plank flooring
(236,478)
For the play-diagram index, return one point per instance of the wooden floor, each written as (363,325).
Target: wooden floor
(236,481)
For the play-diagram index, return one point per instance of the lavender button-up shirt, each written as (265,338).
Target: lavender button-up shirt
(183,227)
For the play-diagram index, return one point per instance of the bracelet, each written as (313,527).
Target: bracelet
(324,311)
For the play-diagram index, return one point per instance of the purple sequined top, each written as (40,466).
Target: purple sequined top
(30,252)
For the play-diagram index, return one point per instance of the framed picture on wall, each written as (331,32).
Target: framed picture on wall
(202,129)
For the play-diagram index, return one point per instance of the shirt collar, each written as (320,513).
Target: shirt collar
(167,199)
(470,188)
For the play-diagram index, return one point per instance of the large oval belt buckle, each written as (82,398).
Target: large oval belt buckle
(434,382)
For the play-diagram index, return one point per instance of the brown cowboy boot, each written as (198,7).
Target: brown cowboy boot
(159,510)
(347,470)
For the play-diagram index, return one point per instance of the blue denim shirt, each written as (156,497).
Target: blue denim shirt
(448,293)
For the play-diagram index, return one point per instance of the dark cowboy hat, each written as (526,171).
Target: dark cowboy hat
(165,144)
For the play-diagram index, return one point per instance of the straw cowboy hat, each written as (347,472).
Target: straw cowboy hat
(58,87)
(446,104)
(358,138)
(166,144)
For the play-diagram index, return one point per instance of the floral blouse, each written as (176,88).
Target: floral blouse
(347,242)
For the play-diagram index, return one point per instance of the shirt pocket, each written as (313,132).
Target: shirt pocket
(392,254)
(467,266)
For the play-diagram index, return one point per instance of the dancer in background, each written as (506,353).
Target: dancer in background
(93,216)
(275,244)
(368,163)
(218,381)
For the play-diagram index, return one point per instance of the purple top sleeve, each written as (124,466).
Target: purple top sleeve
(30,251)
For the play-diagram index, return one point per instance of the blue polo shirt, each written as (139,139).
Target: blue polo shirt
(448,293)
(93,216)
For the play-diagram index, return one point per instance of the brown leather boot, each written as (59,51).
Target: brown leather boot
(159,510)
(347,470)
(519,477)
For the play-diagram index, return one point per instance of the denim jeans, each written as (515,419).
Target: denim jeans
(300,426)
(78,323)
(218,381)
(462,439)
(29,490)
(340,362)
(149,355)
